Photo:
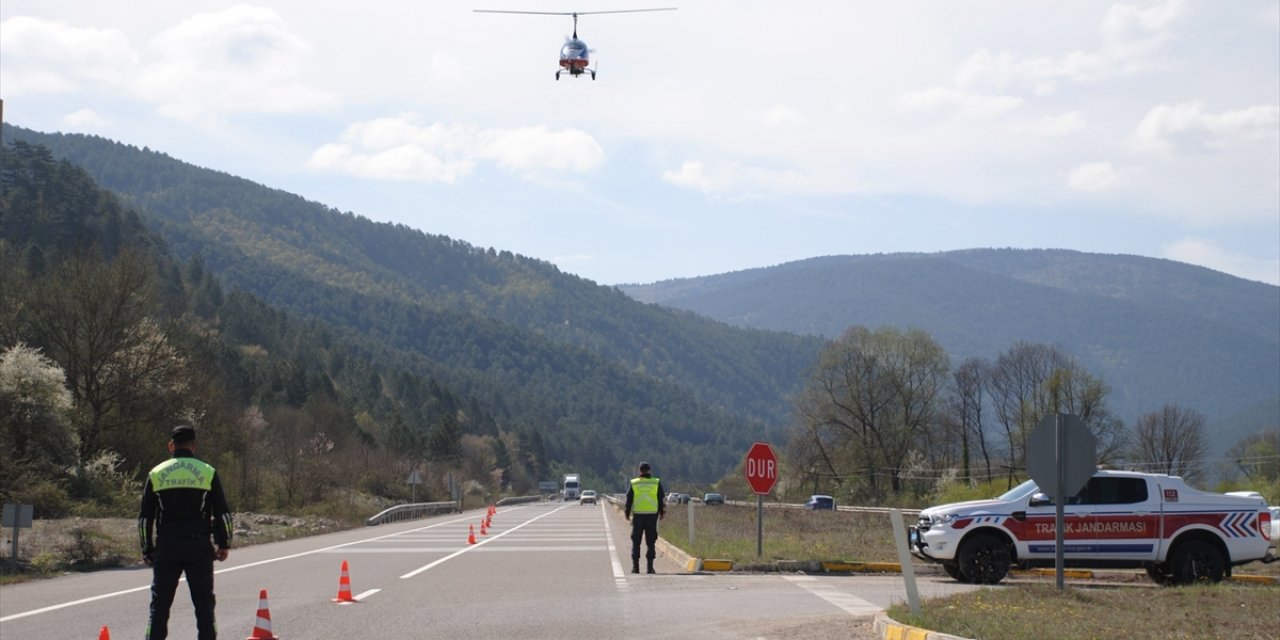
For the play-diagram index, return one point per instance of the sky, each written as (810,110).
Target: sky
(722,136)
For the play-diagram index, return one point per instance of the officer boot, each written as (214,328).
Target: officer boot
(635,565)
(651,567)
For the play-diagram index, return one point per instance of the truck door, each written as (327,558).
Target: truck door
(1124,518)
(1038,534)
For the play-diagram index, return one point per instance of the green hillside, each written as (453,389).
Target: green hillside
(603,378)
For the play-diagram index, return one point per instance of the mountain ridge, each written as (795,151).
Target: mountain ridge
(1148,326)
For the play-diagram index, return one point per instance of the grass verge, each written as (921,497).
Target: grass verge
(1021,611)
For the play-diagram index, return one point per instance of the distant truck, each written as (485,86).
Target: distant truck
(572,487)
(1177,533)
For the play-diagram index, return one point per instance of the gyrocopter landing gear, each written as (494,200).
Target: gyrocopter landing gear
(557,75)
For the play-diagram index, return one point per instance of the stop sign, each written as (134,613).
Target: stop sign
(761,468)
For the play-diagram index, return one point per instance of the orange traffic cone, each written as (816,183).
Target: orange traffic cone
(105,633)
(484,528)
(344,587)
(262,626)
(471,537)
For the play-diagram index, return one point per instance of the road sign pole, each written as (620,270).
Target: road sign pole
(692,535)
(759,525)
(1059,557)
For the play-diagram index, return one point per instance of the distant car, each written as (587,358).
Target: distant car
(682,498)
(588,497)
(820,503)
(712,498)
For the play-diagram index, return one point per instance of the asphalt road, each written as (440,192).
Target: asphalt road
(553,570)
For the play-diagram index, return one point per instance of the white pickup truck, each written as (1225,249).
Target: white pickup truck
(1119,519)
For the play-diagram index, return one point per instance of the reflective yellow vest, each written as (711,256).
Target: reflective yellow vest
(182,473)
(644,495)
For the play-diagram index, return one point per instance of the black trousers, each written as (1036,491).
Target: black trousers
(173,558)
(646,525)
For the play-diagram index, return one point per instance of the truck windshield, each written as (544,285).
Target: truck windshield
(1021,491)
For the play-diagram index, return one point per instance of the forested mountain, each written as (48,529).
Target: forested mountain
(1157,331)
(107,341)
(604,379)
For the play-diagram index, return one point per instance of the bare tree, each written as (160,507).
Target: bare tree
(966,411)
(1031,381)
(1172,440)
(869,403)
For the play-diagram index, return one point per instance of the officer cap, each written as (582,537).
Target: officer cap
(644,466)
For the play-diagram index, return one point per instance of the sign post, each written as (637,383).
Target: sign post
(414,480)
(17,516)
(1061,457)
(761,470)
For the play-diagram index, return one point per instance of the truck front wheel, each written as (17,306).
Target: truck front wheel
(1196,561)
(984,559)
(953,569)
(1158,574)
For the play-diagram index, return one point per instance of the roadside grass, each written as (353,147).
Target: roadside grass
(729,533)
(1018,611)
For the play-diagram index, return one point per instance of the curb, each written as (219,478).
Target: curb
(889,629)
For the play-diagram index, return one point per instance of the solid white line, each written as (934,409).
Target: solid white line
(619,578)
(474,546)
(366,594)
(113,594)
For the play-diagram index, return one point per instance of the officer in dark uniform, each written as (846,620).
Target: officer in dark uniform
(183,504)
(644,509)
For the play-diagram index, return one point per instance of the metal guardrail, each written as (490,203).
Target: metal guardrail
(517,500)
(800,505)
(411,512)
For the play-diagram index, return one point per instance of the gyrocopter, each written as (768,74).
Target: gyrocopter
(574,54)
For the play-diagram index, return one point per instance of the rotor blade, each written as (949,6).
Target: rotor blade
(573,13)
(540,13)
(590,13)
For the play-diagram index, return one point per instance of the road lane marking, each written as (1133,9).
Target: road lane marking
(849,603)
(619,578)
(366,594)
(477,545)
(64,605)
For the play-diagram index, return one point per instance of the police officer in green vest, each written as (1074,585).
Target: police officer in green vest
(644,509)
(182,505)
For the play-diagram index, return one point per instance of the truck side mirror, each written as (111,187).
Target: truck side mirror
(1039,500)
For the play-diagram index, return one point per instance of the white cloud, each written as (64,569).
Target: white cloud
(538,150)
(407,148)
(736,181)
(1094,176)
(1187,128)
(51,56)
(446,66)
(1052,126)
(1208,254)
(1133,40)
(783,114)
(240,59)
(964,103)
(86,121)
